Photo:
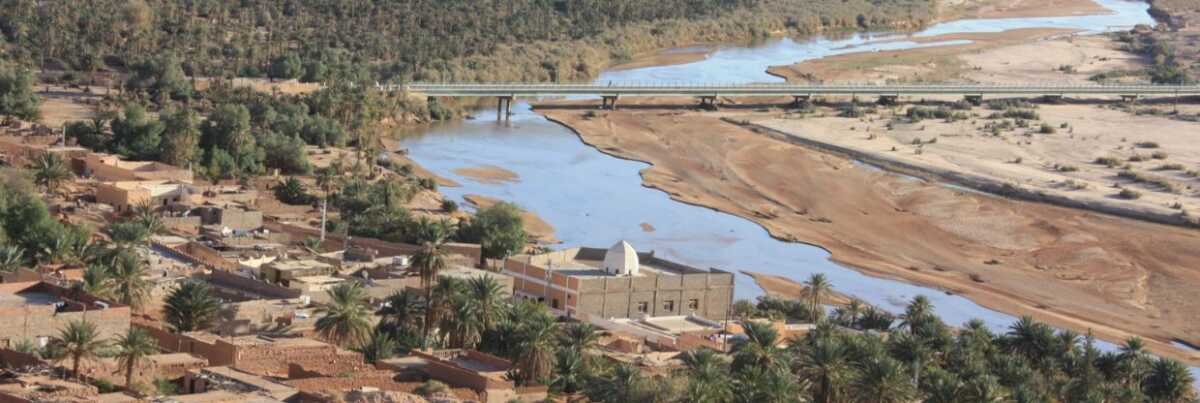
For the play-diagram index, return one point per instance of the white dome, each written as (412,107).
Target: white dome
(621,260)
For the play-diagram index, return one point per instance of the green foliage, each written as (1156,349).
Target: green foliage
(345,320)
(191,307)
(292,191)
(918,113)
(286,67)
(180,144)
(161,78)
(17,98)
(499,230)
(135,136)
(165,387)
(88,134)
(49,171)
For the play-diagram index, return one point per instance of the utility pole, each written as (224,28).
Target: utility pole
(324,208)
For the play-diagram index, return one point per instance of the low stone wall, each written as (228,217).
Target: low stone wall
(262,288)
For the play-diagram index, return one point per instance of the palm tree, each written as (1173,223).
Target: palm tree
(327,181)
(127,276)
(191,307)
(912,350)
(623,385)
(96,281)
(882,380)
(402,310)
(708,379)
(1132,360)
(134,346)
(346,320)
(486,297)
(569,372)
(1168,382)
(50,171)
(984,389)
(536,342)
(579,336)
(80,341)
(817,287)
(380,346)
(759,349)
(766,385)
(11,258)
(916,313)
(429,261)
(826,363)
(145,215)
(462,325)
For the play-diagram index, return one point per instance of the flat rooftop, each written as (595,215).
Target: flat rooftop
(24,298)
(588,262)
(156,188)
(306,264)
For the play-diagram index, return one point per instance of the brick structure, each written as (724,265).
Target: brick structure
(483,373)
(232,381)
(170,366)
(259,355)
(286,271)
(108,167)
(620,283)
(20,151)
(37,310)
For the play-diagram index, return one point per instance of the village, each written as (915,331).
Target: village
(272,280)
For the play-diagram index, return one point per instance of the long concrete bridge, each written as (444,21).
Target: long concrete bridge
(709,93)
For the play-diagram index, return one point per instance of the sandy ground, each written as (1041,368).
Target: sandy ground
(1069,267)
(538,229)
(290,87)
(673,57)
(488,174)
(63,104)
(1023,55)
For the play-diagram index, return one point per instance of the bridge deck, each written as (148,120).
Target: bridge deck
(710,90)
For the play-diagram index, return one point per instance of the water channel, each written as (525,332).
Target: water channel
(593,199)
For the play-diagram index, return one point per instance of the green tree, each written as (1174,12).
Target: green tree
(127,276)
(345,320)
(498,230)
(380,346)
(96,281)
(89,134)
(882,380)
(758,349)
(162,78)
(191,307)
(227,130)
(708,377)
(136,136)
(129,234)
(569,375)
(285,67)
(536,344)
(292,191)
(80,341)
(134,346)
(180,144)
(827,364)
(17,98)
(485,298)
(403,310)
(580,337)
(430,260)
(50,171)
(1169,382)
(12,257)
(816,287)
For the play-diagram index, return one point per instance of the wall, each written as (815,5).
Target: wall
(203,255)
(32,321)
(262,289)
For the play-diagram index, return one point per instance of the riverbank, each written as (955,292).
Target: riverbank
(1068,267)
(539,231)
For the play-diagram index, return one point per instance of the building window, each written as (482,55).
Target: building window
(554,303)
(694,304)
(669,306)
(643,307)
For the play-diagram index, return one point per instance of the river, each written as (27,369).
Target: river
(595,200)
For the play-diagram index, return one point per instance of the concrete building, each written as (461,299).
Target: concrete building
(620,283)
(242,386)
(232,217)
(284,272)
(38,311)
(480,372)
(111,168)
(126,195)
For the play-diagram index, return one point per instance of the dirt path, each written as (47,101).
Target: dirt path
(1068,267)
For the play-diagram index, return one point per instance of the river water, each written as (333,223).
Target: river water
(595,200)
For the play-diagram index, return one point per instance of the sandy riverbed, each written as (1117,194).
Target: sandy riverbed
(1072,268)
(488,174)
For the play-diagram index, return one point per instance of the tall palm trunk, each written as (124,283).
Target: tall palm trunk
(128,374)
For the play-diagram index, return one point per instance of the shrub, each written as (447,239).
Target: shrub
(1137,158)
(1146,144)
(1065,168)
(1047,129)
(1108,161)
(1159,155)
(1170,167)
(449,206)
(1129,194)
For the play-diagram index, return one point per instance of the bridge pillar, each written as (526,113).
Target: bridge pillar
(1052,98)
(1129,99)
(708,102)
(503,107)
(888,100)
(609,102)
(800,101)
(974,99)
